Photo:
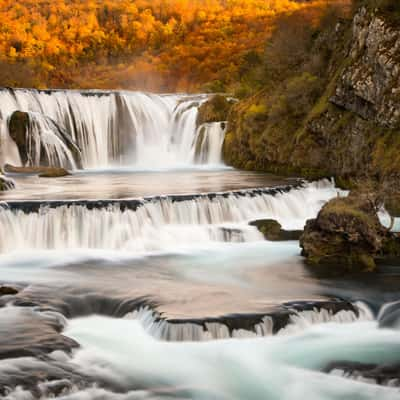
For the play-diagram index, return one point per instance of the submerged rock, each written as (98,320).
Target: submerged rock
(347,232)
(215,109)
(43,172)
(272,230)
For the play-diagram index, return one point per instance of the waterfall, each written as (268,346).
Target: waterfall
(44,142)
(160,223)
(112,128)
(209,139)
(162,329)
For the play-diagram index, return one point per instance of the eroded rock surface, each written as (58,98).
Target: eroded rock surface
(347,231)
(216,109)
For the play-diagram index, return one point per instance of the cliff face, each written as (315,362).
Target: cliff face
(349,127)
(370,85)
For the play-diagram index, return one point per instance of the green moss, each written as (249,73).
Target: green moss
(343,207)
(214,110)
(256,109)
(386,152)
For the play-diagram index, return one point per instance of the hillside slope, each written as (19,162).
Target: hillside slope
(160,45)
(335,113)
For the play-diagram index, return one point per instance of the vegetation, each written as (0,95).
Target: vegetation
(293,84)
(139,44)
(347,232)
(214,110)
(287,121)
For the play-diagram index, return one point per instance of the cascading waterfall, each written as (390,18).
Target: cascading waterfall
(160,223)
(162,329)
(209,139)
(113,128)
(43,136)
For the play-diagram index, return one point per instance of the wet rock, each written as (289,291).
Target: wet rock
(53,172)
(40,378)
(214,110)
(6,183)
(133,204)
(389,317)
(18,125)
(26,332)
(385,375)
(21,126)
(280,317)
(8,290)
(347,232)
(272,230)
(44,172)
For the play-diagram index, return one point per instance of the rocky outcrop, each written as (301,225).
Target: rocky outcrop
(347,232)
(41,141)
(18,126)
(346,129)
(370,85)
(216,109)
(272,230)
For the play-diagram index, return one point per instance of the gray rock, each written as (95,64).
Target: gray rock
(370,84)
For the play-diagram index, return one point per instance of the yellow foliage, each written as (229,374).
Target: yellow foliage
(180,43)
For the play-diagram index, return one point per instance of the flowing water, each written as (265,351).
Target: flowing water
(139,276)
(112,129)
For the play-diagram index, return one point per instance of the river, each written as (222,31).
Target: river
(139,276)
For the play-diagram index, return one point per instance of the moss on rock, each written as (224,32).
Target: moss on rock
(347,232)
(272,230)
(216,109)
(323,124)
(20,125)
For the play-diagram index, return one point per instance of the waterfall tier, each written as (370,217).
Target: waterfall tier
(110,128)
(160,223)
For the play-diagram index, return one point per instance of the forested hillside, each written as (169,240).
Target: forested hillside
(163,45)
(327,99)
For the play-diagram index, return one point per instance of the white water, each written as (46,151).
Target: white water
(42,139)
(114,128)
(190,332)
(209,139)
(278,367)
(160,224)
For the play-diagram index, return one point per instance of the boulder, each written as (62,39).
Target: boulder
(43,172)
(21,126)
(272,230)
(216,109)
(7,290)
(18,125)
(347,232)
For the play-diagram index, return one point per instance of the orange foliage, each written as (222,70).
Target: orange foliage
(146,44)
